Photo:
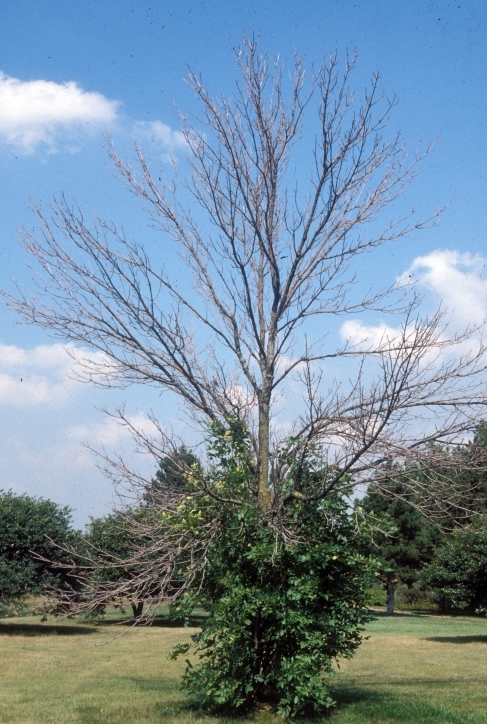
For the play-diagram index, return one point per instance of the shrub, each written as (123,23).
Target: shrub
(280,609)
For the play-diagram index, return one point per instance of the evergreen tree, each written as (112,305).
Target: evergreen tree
(172,475)
(412,542)
(458,573)
(415,540)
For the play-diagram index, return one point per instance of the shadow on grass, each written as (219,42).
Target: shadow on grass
(158,622)
(193,621)
(88,626)
(371,706)
(399,614)
(458,639)
(43,629)
(354,695)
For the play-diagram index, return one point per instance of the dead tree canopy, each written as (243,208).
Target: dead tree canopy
(272,257)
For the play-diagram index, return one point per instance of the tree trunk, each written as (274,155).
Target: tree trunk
(391,589)
(264,430)
(137,608)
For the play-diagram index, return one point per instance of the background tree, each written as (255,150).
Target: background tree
(470,466)
(273,245)
(409,546)
(418,538)
(172,474)
(109,544)
(458,572)
(34,536)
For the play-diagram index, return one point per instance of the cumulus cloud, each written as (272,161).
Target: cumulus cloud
(43,114)
(32,391)
(161,135)
(363,336)
(111,431)
(456,280)
(34,113)
(45,356)
(33,376)
(459,280)
(45,374)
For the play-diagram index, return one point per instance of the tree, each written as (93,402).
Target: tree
(458,573)
(109,544)
(34,534)
(273,259)
(410,545)
(471,468)
(105,552)
(172,473)
(416,538)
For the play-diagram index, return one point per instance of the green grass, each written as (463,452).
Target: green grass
(413,668)
(416,668)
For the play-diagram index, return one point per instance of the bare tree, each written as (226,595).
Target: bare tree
(271,263)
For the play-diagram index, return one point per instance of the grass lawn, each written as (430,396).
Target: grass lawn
(414,668)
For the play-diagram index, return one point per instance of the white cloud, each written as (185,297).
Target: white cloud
(34,390)
(34,113)
(33,376)
(457,279)
(365,336)
(111,431)
(285,363)
(160,134)
(59,455)
(45,374)
(38,114)
(45,356)
(241,397)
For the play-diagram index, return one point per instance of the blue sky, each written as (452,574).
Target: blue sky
(72,72)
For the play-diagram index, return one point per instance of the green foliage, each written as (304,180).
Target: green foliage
(172,474)
(375,595)
(474,475)
(458,573)
(411,541)
(30,525)
(112,541)
(416,597)
(280,608)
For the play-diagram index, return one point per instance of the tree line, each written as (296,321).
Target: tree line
(438,553)
(41,553)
